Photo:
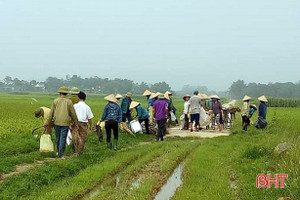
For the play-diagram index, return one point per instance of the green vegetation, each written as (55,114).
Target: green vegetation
(283,102)
(219,168)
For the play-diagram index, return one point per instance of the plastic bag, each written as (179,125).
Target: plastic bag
(173,116)
(136,126)
(69,137)
(46,144)
(204,118)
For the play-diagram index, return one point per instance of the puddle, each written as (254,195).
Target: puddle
(97,190)
(174,182)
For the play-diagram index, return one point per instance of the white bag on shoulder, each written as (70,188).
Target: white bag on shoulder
(46,144)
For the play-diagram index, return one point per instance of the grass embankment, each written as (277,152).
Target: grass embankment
(238,159)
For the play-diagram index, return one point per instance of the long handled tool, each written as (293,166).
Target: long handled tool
(34,130)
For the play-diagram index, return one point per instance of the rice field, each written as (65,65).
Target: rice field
(211,166)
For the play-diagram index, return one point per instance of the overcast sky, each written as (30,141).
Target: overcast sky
(196,42)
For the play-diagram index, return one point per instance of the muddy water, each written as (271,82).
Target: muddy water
(174,182)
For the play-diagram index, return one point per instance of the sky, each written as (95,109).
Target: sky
(195,42)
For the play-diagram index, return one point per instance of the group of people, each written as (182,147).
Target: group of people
(248,110)
(72,113)
(68,113)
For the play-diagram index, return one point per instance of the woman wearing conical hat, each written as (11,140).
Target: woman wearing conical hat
(245,112)
(262,113)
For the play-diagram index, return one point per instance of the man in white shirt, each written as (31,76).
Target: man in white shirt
(195,107)
(85,116)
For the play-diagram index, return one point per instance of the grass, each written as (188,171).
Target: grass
(209,169)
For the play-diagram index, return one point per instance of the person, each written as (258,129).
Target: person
(148,94)
(186,105)
(195,108)
(44,112)
(261,122)
(245,112)
(172,108)
(262,109)
(142,114)
(217,110)
(112,115)
(252,109)
(118,97)
(74,95)
(125,104)
(152,99)
(62,114)
(85,116)
(160,113)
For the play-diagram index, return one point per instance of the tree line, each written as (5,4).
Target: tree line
(91,85)
(281,90)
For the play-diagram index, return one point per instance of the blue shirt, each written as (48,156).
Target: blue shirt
(262,110)
(141,112)
(125,105)
(112,111)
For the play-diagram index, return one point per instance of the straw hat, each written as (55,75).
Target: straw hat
(147,93)
(215,97)
(154,95)
(263,99)
(63,89)
(246,98)
(111,98)
(161,96)
(253,106)
(134,104)
(39,113)
(129,94)
(168,93)
(74,90)
(118,96)
(166,96)
(186,96)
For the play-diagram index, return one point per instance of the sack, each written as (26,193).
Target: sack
(261,123)
(173,116)
(182,117)
(46,144)
(204,118)
(136,126)
(69,137)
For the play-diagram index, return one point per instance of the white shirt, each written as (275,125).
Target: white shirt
(186,107)
(83,112)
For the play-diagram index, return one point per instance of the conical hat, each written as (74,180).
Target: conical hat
(111,98)
(166,95)
(154,95)
(118,96)
(134,104)
(214,97)
(147,93)
(187,95)
(253,106)
(263,99)
(246,98)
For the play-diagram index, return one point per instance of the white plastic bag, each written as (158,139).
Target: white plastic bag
(69,137)
(204,118)
(173,116)
(136,126)
(46,144)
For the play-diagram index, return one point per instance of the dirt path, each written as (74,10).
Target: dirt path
(177,132)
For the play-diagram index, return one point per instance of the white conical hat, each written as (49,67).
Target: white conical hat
(134,104)
(147,93)
(153,95)
(119,96)
(111,98)
(263,98)
(214,97)
(246,98)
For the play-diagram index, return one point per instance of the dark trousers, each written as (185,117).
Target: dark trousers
(126,116)
(161,129)
(111,125)
(245,122)
(146,124)
(61,137)
(186,122)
